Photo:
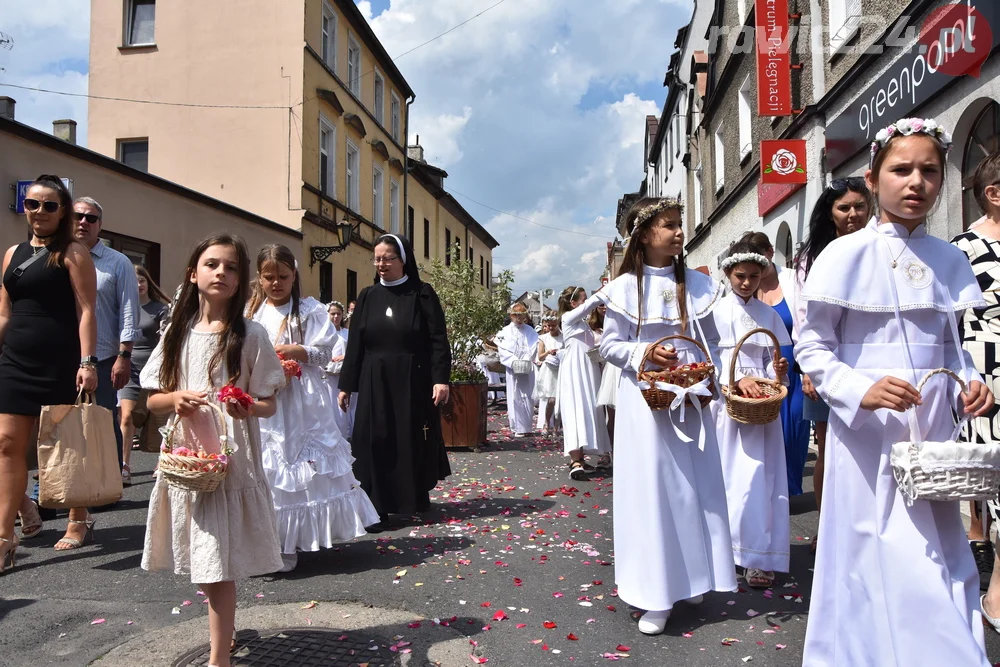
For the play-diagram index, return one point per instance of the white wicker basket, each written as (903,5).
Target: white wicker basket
(945,471)
(594,354)
(522,367)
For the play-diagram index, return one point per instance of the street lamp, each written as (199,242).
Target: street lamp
(318,253)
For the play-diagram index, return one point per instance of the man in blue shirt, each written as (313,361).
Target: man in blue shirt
(117,308)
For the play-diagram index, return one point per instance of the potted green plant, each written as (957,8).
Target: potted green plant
(473,314)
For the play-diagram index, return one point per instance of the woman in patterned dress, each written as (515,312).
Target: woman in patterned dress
(981,333)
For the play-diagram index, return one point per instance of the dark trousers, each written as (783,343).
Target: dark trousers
(107,397)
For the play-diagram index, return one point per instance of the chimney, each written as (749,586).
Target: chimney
(65,130)
(7,107)
(416,153)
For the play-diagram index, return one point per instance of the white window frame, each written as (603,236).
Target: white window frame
(394,207)
(746,119)
(395,113)
(696,209)
(352,178)
(127,36)
(378,196)
(378,105)
(353,77)
(845,19)
(328,39)
(122,143)
(720,160)
(330,151)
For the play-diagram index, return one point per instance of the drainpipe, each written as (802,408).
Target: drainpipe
(406,169)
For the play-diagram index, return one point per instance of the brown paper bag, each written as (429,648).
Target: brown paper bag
(77,461)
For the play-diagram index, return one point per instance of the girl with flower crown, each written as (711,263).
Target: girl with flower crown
(516,344)
(895,583)
(753,455)
(672,540)
(547,376)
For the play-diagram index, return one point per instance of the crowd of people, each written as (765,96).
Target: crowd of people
(661,361)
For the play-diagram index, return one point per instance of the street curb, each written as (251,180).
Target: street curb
(431,643)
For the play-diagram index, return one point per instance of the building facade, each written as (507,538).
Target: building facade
(857,66)
(291,109)
(155,222)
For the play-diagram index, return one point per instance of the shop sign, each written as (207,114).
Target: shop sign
(955,40)
(770,196)
(774,73)
(21,191)
(783,162)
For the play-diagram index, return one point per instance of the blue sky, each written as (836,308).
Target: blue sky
(534,108)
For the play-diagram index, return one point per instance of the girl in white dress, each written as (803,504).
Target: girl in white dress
(547,381)
(895,583)
(753,455)
(306,458)
(672,540)
(516,345)
(219,536)
(607,392)
(584,427)
(344,419)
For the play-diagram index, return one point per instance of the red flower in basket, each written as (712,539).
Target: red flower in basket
(292,368)
(232,394)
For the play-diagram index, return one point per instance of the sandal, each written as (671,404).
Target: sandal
(72,541)
(757,578)
(577,471)
(31,520)
(126,475)
(604,463)
(9,547)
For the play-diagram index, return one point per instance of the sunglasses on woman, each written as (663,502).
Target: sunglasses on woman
(47,206)
(850,183)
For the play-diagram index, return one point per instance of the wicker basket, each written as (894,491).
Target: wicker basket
(945,471)
(594,354)
(659,399)
(191,472)
(754,410)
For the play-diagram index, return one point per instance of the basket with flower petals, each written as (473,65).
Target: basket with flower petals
(194,469)
(658,387)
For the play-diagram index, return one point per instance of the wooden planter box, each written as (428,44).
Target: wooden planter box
(463,417)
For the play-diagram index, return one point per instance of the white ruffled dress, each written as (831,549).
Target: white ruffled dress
(307,460)
(229,533)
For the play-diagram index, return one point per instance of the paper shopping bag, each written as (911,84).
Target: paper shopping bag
(77,460)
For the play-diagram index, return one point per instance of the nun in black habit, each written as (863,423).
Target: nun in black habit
(399,362)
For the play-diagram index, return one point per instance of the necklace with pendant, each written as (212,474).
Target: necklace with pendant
(388,309)
(895,260)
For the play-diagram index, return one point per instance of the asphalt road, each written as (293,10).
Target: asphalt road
(511,547)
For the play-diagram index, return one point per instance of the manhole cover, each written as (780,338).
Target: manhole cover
(301,647)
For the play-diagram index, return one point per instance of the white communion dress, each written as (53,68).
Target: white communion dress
(307,460)
(584,425)
(518,343)
(895,584)
(753,455)
(671,522)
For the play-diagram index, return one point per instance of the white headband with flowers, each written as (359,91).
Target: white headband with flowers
(907,126)
(649,210)
(741,257)
(337,304)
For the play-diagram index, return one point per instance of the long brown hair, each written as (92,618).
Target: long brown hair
(638,220)
(63,236)
(230,348)
(596,320)
(152,289)
(270,256)
(566,299)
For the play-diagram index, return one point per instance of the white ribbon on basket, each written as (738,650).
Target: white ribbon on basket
(681,396)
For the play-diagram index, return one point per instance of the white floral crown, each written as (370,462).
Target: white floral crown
(518,305)
(649,210)
(550,318)
(907,126)
(741,257)
(338,304)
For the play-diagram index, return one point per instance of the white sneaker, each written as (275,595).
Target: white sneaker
(696,600)
(653,622)
(288,562)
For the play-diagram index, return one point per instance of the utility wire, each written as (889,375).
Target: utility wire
(236,106)
(558,229)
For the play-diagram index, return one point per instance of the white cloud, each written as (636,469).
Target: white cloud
(532,108)
(51,50)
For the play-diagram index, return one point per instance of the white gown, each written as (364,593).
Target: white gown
(584,424)
(518,342)
(345,420)
(671,524)
(547,379)
(306,459)
(753,455)
(895,585)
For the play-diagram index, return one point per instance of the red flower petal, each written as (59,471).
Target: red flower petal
(572,637)
(622,648)
(500,616)
(549,625)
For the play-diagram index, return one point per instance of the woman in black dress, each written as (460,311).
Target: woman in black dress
(48,333)
(399,361)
